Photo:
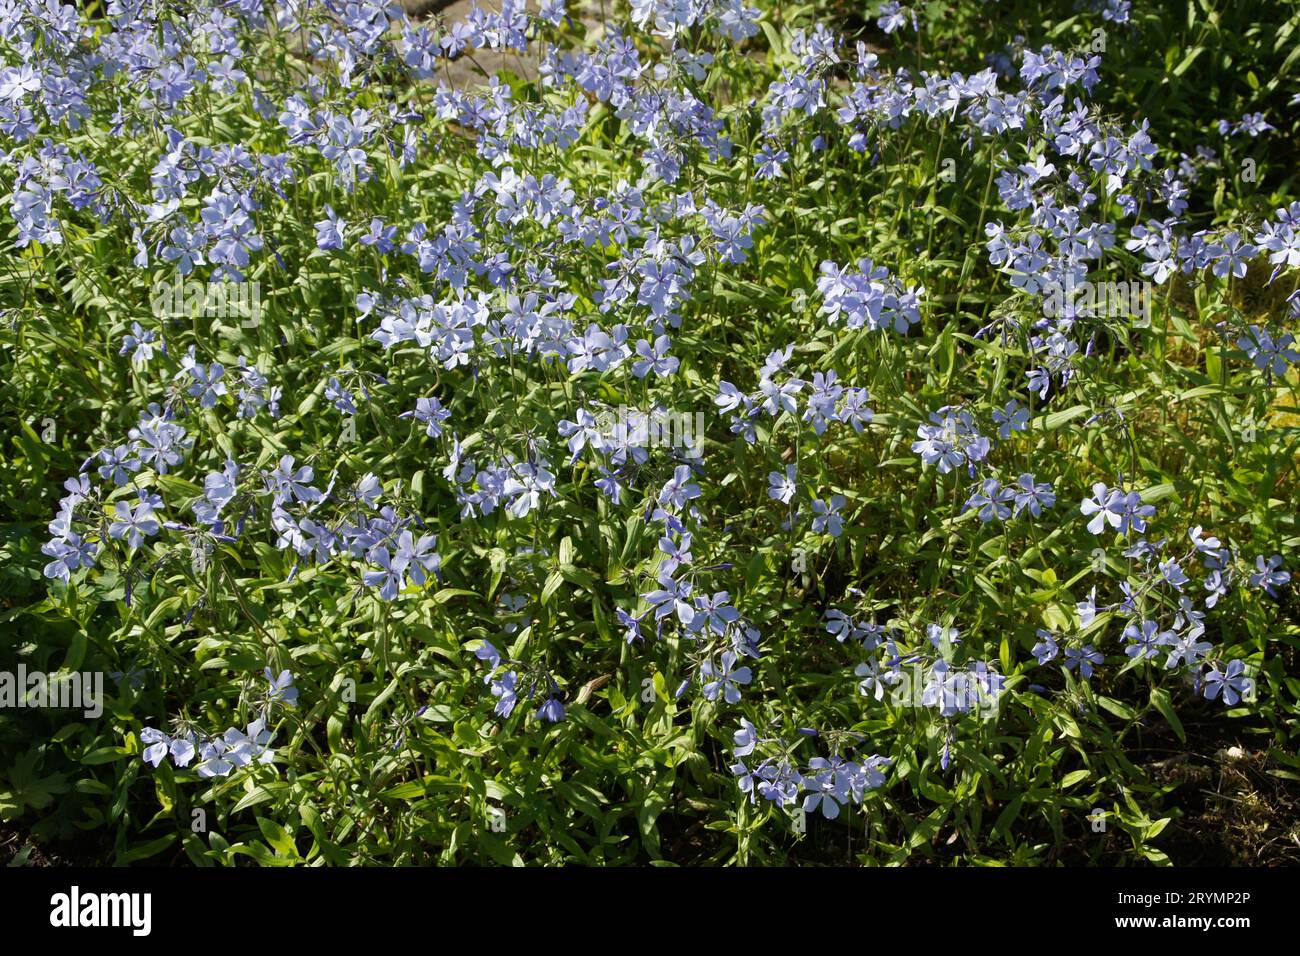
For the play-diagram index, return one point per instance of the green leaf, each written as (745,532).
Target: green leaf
(1160,699)
(1073,777)
(146,850)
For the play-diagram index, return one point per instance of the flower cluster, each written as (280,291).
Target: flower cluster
(525,293)
(220,754)
(827,783)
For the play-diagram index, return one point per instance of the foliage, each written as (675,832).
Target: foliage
(683,445)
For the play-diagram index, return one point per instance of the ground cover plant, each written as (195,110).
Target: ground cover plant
(689,432)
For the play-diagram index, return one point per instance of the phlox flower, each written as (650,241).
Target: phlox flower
(1232,683)
(1084,658)
(724,679)
(1268,574)
(782,487)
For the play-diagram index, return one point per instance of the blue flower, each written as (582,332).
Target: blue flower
(156,744)
(1145,640)
(631,625)
(281,688)
(1013,418)
(1232,683)
(991,501)
(827,786)
(503,688)
(782,487)
(1106,505)
(380,237)
(670,597)
(331,230)
(134,524)
(551,710)
(714,613)
(745,739)
(389,578)
(487,652)
(1186,649)
(679,489)
(826,516)
(1032,495)
(724,680)
(1084,658)
(1268,574)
